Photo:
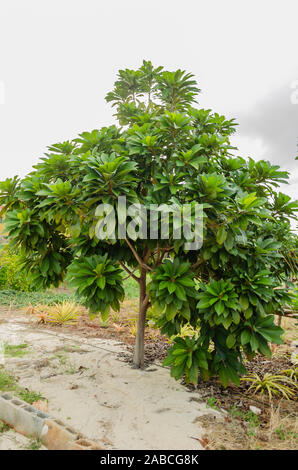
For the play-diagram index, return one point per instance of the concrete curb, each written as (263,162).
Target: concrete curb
(32,422)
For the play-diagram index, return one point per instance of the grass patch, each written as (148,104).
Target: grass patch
(18,350)
(28,395)
(8,383)
(18,299)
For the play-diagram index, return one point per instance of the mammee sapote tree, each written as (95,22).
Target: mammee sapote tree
(165,151)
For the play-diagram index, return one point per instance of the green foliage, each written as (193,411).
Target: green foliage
(12,276)
(173,294)
(28,395)
(99,283)
(185,358)
(19,299)
(164,152)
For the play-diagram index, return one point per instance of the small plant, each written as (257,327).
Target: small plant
(284,434)
(292,373)
(38,312)
(42,317)
(115,318)
(34,444)
(286,428)
(133,327)
(271,385)
(62,358)
(71,368)
(211,403)
(29,396)
(7,381)
(3,427)
(67,312)
(249,417)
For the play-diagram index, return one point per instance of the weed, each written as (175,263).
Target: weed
(8,384)
(29,396)
(71,369)
(18,350)
(62,358)
(249,417)
(34,444)
(3,427)
(211,403)
(7,381)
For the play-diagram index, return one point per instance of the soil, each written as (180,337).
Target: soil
(84,371)
(89,386)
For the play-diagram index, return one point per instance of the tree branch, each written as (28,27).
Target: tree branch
(139,260)
(197,263)
(145,301)
(129,272)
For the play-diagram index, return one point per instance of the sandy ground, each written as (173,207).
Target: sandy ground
(11,440)
(101,396)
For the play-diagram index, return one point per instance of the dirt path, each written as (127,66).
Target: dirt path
(101,396)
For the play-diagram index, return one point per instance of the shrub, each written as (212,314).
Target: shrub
(12,276)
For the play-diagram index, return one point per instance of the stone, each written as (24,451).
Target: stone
(255,410)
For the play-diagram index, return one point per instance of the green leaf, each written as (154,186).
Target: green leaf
(243,301)
(219,307)
(254,342)
(245,337)
(231,340)
(221,235)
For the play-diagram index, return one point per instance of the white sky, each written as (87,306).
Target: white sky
(58,59)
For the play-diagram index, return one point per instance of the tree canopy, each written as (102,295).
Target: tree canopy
(164,151)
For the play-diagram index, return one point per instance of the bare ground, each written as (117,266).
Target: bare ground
(90,387)
(84,371)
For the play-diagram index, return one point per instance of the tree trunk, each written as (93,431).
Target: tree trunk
(138,359)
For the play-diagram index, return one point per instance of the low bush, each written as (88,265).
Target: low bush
(12,276)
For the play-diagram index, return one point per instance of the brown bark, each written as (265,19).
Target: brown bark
(138,359)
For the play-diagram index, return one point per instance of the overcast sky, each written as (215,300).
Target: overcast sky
(59,58)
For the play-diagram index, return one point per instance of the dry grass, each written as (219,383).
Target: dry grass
(245,431)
